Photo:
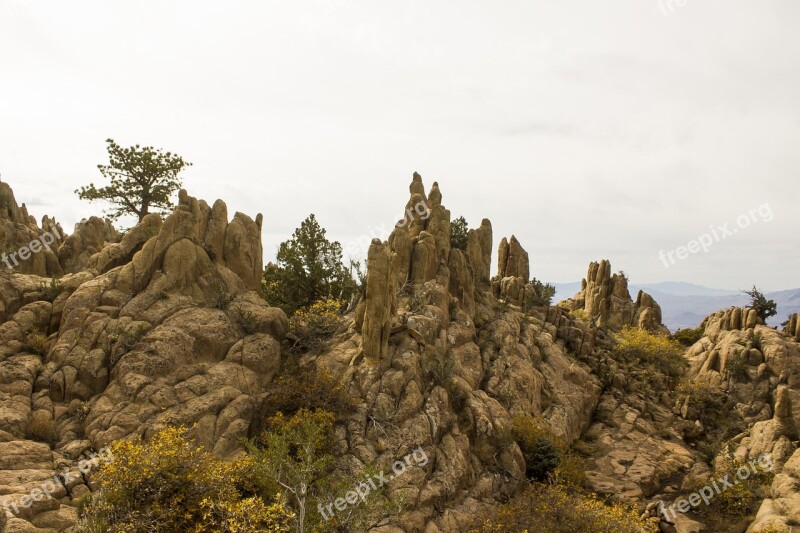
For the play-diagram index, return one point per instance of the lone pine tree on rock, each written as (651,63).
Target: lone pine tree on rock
(142,179)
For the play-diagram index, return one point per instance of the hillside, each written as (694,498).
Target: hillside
(517,414)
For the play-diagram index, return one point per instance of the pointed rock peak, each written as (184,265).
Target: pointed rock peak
(416,186)
(435,196)
(512,260)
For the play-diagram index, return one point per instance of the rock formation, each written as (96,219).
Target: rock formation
(20,233)
(604,297)
(793,326)
(89,237)
(162,325)
(155,331)
(513,271)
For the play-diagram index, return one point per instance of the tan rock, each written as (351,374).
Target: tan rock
(379,302)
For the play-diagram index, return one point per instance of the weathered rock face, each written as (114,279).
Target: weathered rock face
(162,326)
(25,248)
(154,331)
(793,326)
(512,260)
(604,297)
(479,251)
(89,237)
(731,319)
(446,368)
(756,367)
(379,301)
(513,271)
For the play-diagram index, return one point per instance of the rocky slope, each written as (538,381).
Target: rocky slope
(107,336)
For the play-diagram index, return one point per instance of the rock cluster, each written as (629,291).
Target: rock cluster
(18,230)
(513,271)
(163,327)
(756,367)
(605,299)
(731,319)
(418,252)
(446,367)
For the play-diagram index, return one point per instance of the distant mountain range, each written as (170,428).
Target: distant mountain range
(685,305)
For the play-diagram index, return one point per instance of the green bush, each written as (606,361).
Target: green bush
(538,294)
(459,231)
(709,403)
(293,458)
(309,268)
(743,497)
(688,336)
(542,450)
(36,342)
(313,328)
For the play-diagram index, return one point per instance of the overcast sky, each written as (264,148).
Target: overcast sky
(589,129)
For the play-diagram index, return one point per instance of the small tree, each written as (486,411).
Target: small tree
(764,308)
(538,294)
(459,230)
(309,268)
(142,180)
(292,458)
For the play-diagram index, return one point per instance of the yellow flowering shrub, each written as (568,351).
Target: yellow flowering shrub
(168,484)
(322,310)
(741,498)
(581,315)
(542,450)
(547,456)
(313,327)
(546,508)
(658,350)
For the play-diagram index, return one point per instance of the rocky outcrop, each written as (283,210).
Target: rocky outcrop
(781,510)
(605,299)
(446,368)
(793,326)
(731,319)
(163,326)
(89,237)
(512,260)
(153,331)
(756,367)
(378,302)
(25,248)
(513,271)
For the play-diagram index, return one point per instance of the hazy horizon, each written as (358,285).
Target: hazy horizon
(605,131)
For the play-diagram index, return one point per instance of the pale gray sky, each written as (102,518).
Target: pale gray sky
(589,129)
